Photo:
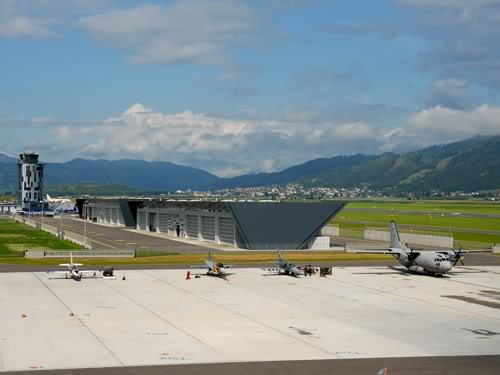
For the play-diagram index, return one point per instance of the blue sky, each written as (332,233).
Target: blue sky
(235,86)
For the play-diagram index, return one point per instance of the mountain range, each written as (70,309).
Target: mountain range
(468,165)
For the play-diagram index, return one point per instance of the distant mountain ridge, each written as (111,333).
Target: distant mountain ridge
(469,165)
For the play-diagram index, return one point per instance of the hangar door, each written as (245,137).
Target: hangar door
(142,220)
(163,219)
(208,228)
(226,230)
(192,226)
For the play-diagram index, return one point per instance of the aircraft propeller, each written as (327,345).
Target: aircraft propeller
(458,257)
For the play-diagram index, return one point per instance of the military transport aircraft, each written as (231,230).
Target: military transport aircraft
(285,267)
(421,262)
(213,268)
(74,272)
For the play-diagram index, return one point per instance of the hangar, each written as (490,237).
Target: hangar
(246,225)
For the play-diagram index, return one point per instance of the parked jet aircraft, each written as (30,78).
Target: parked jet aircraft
(213,268)
(74,272)
(423,262)
(57,200)
(285,267)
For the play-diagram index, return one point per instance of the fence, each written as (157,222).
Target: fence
(35,253)
(412,231)
(415,239)
(421,238)
(471,245)
(348,233)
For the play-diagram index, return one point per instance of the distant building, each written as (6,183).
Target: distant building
(30,182)
(246,225)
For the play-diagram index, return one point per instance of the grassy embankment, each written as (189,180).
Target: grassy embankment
(433,216)
(15,237)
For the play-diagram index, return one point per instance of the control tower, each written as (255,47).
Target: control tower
(30,182)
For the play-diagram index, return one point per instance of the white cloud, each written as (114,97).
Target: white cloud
(442,125)
(223,146)
(228,147)
(193,31)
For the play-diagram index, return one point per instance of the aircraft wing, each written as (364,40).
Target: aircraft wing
(270,269)
(90,272)
(373,251)
(452,253)
(74,264)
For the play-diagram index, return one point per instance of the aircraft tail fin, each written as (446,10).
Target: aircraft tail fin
(49,198)
(382,371)
(395,240)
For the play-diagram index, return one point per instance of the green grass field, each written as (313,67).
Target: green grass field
(226,258)
(426,216)
(15,237)
(470,207)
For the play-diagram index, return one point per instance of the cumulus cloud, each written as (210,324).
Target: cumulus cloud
(442,125)
(230,147)
(191,31)
(222,145)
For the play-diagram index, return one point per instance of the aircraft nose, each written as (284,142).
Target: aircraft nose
(295,271)
(445,266)
(222,270)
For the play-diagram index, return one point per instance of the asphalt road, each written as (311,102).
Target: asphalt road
(115,237)
(464,365)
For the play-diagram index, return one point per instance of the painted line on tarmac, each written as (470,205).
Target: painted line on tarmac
(164,319)
(81,321)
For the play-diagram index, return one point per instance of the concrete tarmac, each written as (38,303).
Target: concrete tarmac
(159,318)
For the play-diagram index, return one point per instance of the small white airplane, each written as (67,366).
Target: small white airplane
(58,200)
(75,273)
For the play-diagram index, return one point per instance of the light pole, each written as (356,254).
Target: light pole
(60,225)
(85,222)
(42,212)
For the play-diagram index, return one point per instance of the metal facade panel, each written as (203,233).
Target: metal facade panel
(129,211)
(282,225)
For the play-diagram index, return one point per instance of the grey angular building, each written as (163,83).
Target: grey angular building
(247,225)
(30,182)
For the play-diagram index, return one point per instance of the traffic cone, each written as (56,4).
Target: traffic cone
(188,275)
